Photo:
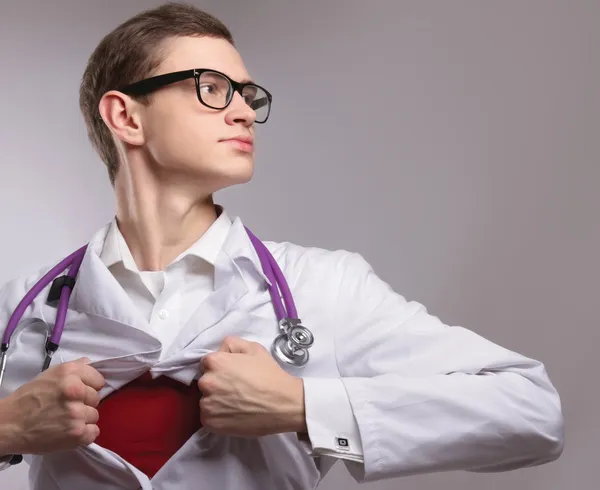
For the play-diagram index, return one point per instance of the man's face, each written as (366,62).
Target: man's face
(187,140)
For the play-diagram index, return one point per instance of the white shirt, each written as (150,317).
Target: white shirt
(168,298)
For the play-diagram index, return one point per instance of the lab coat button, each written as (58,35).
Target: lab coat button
(163,314)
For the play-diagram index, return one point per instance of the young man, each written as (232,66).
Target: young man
(164,378)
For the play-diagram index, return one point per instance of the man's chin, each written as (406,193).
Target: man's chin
(233,175)
(225,173)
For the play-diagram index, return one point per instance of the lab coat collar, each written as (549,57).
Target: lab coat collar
(115,249)
(239,248)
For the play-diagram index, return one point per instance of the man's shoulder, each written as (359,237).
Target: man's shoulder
(313,261)
(289,252)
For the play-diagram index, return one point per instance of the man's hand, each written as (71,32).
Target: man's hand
(245,393)
(54,412)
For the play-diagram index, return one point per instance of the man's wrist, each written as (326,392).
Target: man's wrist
(297,416)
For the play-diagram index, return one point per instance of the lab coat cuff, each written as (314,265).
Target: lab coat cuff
(332,427)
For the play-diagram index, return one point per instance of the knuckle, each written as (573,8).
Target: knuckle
(93,372)
(204,406)
(73,388)
(93,399)
(75,411)
(77,430)
(207,361)
(229,339)
(93,415)
(221,357)
(64,370)
(91,433)
(211,360)
(204,385)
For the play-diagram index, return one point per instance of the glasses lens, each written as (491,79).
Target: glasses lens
(257,99)
(215,89)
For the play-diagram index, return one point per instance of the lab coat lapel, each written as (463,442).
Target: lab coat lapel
(98,293)
(104,325)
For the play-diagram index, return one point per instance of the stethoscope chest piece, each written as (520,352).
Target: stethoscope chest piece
(291,347)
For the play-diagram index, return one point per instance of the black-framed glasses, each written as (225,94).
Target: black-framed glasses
(214,90)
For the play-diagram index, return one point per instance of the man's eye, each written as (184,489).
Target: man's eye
(207,88)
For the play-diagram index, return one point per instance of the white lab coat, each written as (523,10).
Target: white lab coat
(426,396)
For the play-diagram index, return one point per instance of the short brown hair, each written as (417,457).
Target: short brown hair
(132,52)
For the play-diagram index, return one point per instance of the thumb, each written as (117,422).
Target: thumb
(237,345)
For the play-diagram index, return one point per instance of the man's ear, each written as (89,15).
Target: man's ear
(121,115)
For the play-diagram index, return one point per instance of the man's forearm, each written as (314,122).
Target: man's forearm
(8,428)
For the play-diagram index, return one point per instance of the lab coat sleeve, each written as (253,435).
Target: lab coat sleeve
(428,397)
(332,428)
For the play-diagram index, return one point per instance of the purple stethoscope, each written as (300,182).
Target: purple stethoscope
(290,347)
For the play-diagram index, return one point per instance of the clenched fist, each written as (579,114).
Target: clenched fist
(245,393)
(54,412)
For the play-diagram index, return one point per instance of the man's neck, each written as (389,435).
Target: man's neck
(160,221)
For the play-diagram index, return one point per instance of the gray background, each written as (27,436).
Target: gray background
(453,143)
